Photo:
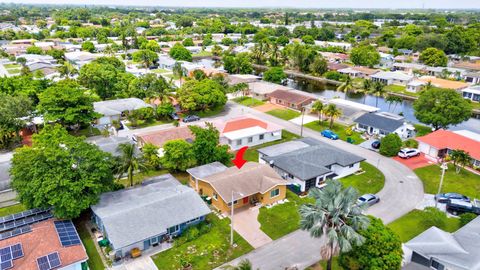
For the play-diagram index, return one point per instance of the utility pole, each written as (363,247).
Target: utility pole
(444,168)
(301,127)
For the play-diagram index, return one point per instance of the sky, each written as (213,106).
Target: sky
(409,4)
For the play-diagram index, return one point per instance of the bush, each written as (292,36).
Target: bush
(466,218)
(434,217)
(410,143)
(390,145)
(192,233)
(334,75)
(144,113)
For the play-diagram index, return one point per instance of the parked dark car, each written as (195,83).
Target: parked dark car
(191,118)
(444,197)
(174,116)
(376,145)
(458,207)
(368,199)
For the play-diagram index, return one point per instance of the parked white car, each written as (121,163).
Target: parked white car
(408,153)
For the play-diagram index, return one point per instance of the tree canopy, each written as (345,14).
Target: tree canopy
(238,64)
(365,55)
(201,95)
(180,53)
(12,109)
(275,75)
(434,57)
(206,146)
(390,145)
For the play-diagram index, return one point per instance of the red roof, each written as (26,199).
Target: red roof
(442,139)
(243,123)
(41,241)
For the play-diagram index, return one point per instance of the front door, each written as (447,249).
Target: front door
(245,200)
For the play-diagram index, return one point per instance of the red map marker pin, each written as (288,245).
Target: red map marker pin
(239,161)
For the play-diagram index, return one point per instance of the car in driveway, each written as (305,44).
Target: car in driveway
(376,145)
(190,118)
(458,207)
(329,134)
(368,199)
(408,153)
(445,197)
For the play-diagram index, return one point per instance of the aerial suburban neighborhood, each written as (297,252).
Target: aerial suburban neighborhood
(145,135)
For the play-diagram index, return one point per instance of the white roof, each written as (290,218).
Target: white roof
(117,106)
(417,83)
(472,89)
(353,104)
(264,88)
(392,75)
(469,134)
(246,132)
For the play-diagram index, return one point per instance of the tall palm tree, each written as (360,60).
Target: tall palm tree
(378,90)
(318,108)
(129,162)
(274,54)
(336,216)
(346,86)
(460,159)
(333,112)
(179,71)
(243,265)
(241,88)
(393,100)
(366,88)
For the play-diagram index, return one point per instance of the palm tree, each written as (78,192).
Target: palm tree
(378,90)
(67,70)
(179,71)
(274,54)
(318,108)
(366,88)
(460,159)
(243,265)
(333,112)
(336,216)
(346,86)
(391,99)
(129,162)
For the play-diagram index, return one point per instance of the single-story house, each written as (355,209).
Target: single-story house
(160,137)
(440,143)
(386,60)
(336,66)
(253,184)
(344,45)
(247,131)
(408,67)
(438,249)
(472,77)
(454,73)
(111,110)
(306,163)
(382,123)
(335,57)
(36,241)
(391,77)
(415,86)
(110,144)
(80,58)
(442,83)
(234,79)
(471,66)
(358,72)
(32,58)
(472,93)
(166,62)
(148,214)
(261,89)
(292,99)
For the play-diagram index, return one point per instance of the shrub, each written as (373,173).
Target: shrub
(410,143)
(434,217)
(390,145)
(192,233)
(144,113)
(334,75)
(466,218)
(349,131)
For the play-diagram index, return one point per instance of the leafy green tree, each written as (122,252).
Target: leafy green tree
(300,56)
(434,57)
(283,40)
(58,55)
(105,78)
(275,75)
(206,146)
(67,70)
(365,55)
(332,112)
(460,159)
(150,156)
(12,110)
(382,249)
(178,155)
(207,40)
(61,171)
(390,145)
(153,46)
(68,104)
(88,46)
(441,108)
(148,86)
(433,217)
(239,64)
(188,42)
(336,216)
(180,53)
(146,57)
(227,41)
(307,39)
(129,161)
(319,66)
(201,95)
(34,50)
(318,108)
(165,109)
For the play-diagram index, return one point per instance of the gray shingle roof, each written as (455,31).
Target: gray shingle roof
(207,169)
(134,214)
(312,161)
(379,121)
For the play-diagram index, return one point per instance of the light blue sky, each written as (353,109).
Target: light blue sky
(457,4)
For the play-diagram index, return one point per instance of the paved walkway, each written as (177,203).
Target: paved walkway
(246,224)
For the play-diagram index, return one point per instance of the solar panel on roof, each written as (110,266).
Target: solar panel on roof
(67,233)
(54,260)
(5,254)
(6,265)
(43,263)
(17,251)
(48,262)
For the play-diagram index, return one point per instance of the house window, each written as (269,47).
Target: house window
(435,265)
(274,193)
(239,142)
(250,139)
(261,136)
(193,220)
(351,165)
(234,202)
(173,229)
(215,196)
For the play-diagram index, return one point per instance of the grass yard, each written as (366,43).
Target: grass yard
(87,132)
(13,71)
(202,54)
(252,155)
(140,177)
(209,112)
(94,260)
(465,182)
(11,66)
(422,130)
(282,219)
(207,251)
(143,124)
(339,129)
(248,101)
(4,211)
(371,181)
(412,224)
(160,70)
(399,89)
(285,114)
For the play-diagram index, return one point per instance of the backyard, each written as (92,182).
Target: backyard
(465,182)
(248,101)
(138,178)
(339,129)
(206,250)
(285,114)
(94,259)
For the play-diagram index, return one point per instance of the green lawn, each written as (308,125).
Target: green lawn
(285,114)
(87,132)
(465,182)
(282,219)
(202,54)
(208,251)
(371,181)
(422,130)
(339,129)
(160,70)
(411,225)
(11,66)
(94,259)
(252,155)
(209,112)
(248,101)
(399,89)
(143,124)
(4,211)
(140,177)
(13,71)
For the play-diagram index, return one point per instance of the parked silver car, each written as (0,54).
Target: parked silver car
(368,199)
(408,153)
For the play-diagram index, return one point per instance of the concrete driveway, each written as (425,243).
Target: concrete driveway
(142,263)
(246,224)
